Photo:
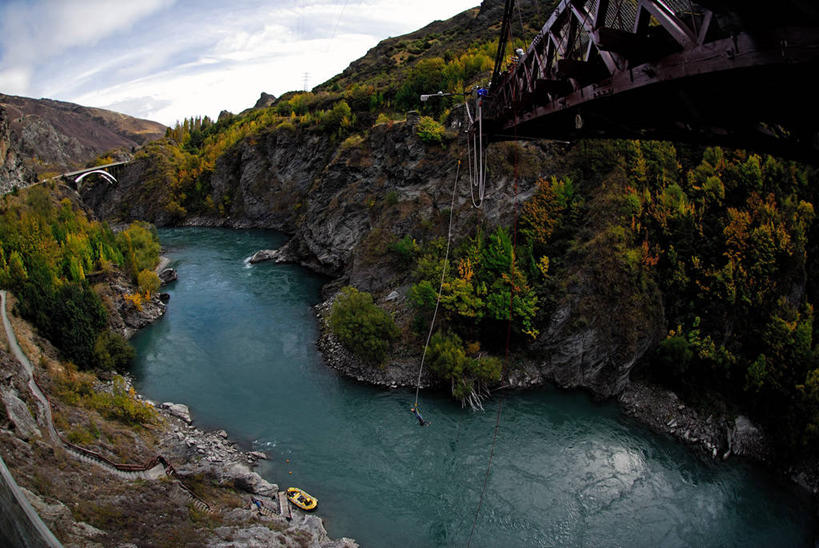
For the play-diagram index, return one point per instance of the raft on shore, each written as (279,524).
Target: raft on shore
(301,498)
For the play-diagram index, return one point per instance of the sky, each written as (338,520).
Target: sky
(165,60)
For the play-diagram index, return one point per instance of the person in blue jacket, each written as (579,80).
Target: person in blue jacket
(421,421)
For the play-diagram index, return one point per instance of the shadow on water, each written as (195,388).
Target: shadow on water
(237,345)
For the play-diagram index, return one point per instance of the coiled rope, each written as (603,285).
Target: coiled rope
(475,152)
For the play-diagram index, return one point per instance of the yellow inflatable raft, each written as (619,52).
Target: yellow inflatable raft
(301,499)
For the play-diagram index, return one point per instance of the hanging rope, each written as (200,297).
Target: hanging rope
(441,285)
(475,153)
(508,341)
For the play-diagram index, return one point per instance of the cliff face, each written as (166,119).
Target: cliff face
(346,203)
(12,171)
(55,136)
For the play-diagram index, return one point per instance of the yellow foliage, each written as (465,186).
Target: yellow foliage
(543,265)
(465,269)
(136,300)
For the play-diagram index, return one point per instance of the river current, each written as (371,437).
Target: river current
(237,345)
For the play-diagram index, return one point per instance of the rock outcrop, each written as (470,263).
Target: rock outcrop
(265,100)
(168,275)
(13,172)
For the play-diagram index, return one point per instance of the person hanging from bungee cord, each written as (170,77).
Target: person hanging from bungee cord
(421,421)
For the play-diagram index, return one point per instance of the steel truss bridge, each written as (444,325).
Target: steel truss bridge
(730,72)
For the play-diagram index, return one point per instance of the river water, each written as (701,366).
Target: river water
(237,346)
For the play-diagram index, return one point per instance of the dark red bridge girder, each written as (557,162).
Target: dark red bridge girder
(665,69)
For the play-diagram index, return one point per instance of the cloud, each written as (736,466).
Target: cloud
(15,80)
(166,59)
(34,30)
(141,107)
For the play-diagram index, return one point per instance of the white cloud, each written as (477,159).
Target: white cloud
(32,31)
(165,60)
(15,80)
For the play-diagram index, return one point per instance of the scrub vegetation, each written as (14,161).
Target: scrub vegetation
(48,251)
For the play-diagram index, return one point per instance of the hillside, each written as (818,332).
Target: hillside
(55,136)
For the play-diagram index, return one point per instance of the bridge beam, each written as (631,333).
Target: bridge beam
(668,80)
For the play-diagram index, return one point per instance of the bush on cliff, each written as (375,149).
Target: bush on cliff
(361,326)
(469,377)
(430,131)
(112,351)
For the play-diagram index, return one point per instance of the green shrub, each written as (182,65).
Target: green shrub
(391,198)
(148,282)
(140,247)
(405,249)
(361,326)
(675,355)
(112,351)
(429,130)
(448,360)
(353,141)
(122,404)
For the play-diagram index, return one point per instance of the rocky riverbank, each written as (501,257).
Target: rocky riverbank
(87,505)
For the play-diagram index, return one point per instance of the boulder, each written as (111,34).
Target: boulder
(264,255)
(19,414)
(167,276)
(251,482)
(178,410)
(748,440)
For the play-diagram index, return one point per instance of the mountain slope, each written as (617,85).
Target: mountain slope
(55,136)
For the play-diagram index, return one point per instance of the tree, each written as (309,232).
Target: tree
(361,326)
(148,282)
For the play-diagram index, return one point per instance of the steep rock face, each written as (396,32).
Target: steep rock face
(592,342)
(346,202)
(266,180)
(12,171)
(265,100)
(57,136)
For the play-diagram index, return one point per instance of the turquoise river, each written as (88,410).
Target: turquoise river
(238,346)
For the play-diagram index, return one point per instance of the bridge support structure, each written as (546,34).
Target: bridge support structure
(665,69)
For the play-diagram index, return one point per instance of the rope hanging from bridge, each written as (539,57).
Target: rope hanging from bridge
(475,151)
(508,341)
(440,286)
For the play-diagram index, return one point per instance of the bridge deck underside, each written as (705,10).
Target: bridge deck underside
(772,108)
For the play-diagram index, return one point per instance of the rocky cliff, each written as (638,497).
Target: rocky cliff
(55,136)
(345,203)
(13,172)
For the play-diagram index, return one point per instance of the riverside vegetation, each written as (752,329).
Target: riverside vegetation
(73,280)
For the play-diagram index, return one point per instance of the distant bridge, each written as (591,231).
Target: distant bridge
(706,71)
(76,177)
